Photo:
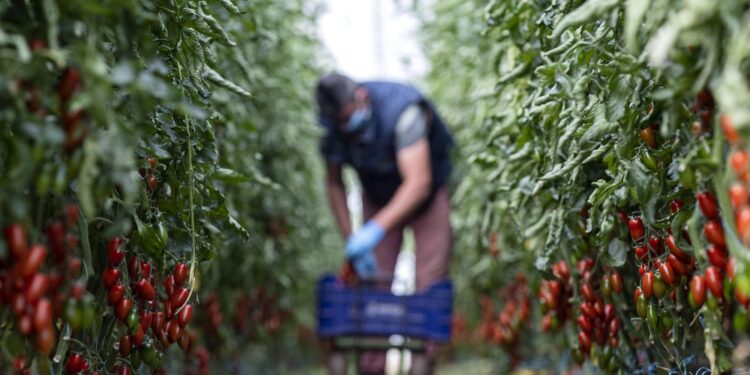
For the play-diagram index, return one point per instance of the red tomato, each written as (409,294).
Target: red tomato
(45,340)
(42,315)
(56,239)
(74,364)
(584,341)
(714,281)
(674,249)
(145,318)
(25,325)
(647,284)
(717,256)
(184,315)
(110,276)
(730,268)
(584,324)
(714,233)
(738,195)
(180,273)
(667,274)
(158,322)
(146,290)
(641,251)
(741,298)
(32,261)
(139,335)
(588,292)
(179,297)
(635,225)
(698,289)
(742,218)
(609,312)
(15,237)
(588,310)
(116,256)
(707,204)
(677,265)
(126,345)
(169,285)
(122,308)
(675,205)
(174,331)
(134,267)
(615,282)
(730,133)
(145,270)
(561,271)
(647,135)
(656,244)
(739,160)
(115,294)
(36,288)
(614,326)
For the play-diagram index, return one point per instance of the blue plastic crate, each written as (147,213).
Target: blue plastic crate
(366,311)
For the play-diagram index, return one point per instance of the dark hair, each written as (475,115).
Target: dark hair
(332,92)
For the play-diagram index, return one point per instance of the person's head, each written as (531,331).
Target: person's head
(342,102)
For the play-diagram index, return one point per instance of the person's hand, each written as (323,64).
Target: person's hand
(360,246)
(366,266)
(364,240)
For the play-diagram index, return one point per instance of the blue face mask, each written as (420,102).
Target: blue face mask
(357,120)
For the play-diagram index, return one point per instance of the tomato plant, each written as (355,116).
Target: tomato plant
(618,110)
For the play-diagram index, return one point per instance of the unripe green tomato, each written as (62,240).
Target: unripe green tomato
(88,312)
(642,306)
(605,355)
(135,360)
(652,316)
(578,356)
(660,288)
(148,354)
(73,314)
(594,354)
(649,160)
(743,282)
(612,364)
(667,320)
(132,321)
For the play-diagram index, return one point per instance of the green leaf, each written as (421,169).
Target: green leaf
(618,253)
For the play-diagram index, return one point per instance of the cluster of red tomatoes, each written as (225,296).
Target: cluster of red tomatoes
(598,321)
(554,297)
(262,309)
(148,328)
(37,297)
(68,85)
(504,328)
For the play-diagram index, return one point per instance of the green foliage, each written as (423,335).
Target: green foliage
(554,146)
(220,94)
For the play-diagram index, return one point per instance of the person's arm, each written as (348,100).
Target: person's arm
(337,198)
(414,166)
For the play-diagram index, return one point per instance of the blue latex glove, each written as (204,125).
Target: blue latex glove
(364,240)
(360,246)
(366,266)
